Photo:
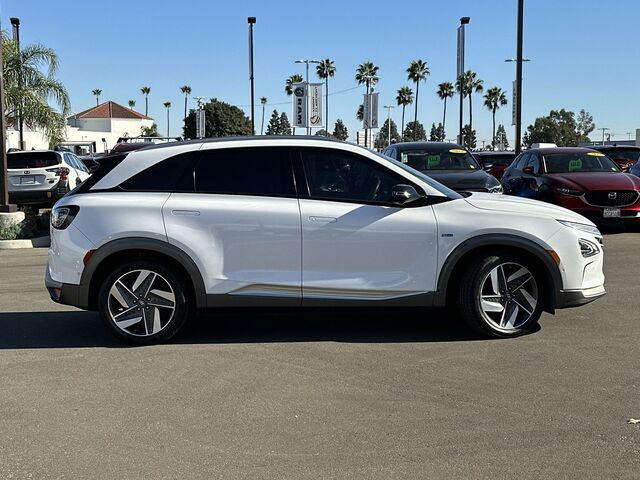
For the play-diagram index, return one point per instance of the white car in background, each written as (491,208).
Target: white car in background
(42,177)
(296,221)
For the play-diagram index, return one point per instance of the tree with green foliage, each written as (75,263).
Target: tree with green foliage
(559,127)
(151,131)
(288,87)
(382,140)
(221,120)
(404,98)
(37,87)
(322,133)
(417,72)
(501,137)
(415,131)
(470,84)
(97,92)
(273,127)
(146,91)
(186,91)
(367,74)
(340,130)
(445,90)
(437,133)
(469,137)
(493,100)
(285,126)
(325,70)
(360,112)
(585,123)
(132,103)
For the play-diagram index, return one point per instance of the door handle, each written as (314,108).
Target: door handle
(185,213)
(314,218)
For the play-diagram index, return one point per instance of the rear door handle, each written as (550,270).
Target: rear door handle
(185,213)
(319,219)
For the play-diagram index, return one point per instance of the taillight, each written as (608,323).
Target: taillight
(61,217)
(62,172)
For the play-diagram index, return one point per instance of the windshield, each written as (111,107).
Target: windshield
(421,176)
(22,160)
(624,155)
(579,162)
(452,159)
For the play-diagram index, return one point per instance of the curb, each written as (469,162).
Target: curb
(38,242)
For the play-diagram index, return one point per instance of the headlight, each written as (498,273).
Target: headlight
(568,191)
(61,217)
(495,189)
(583,227)
(587,248)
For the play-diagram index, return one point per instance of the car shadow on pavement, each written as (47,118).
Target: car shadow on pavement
(60,329)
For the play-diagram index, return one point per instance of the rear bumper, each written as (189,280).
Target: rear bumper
(27,197)
(575,298)
(65,293)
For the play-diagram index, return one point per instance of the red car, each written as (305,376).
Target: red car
(495,163)
(580,179)
(625,156)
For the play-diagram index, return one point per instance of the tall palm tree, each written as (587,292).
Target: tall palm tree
(288,87)
(263,101)
(404,98)
(186,90)
(325,70)
(97,92)
(132,103)
(360,112)
(31,96)
(470,84)
(146,91)
(167,105)
(493,100)
(417,71)
(445,90)
(367,73)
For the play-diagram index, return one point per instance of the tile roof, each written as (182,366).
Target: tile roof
(109,109)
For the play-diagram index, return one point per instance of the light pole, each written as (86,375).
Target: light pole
(388,107)
(306,78)
(463,21)
(251,21)
(15,24)
(517,97)
(5,207)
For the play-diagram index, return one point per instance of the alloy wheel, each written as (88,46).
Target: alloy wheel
(141,303)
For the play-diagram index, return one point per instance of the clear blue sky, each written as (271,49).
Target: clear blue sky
(584,54)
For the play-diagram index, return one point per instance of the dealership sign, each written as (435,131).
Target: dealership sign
(307,105)
(370,110)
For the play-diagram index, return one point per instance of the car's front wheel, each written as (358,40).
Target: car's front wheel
(501,295)
(144,302)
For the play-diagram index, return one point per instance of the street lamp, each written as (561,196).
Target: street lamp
(5,207)
(15,24)
(251,21)
(519,61)
(463,21)
(517,103)
(388,107)
(306,78)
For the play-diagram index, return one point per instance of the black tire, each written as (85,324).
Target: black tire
(470,290)
(167,280)
(545,195)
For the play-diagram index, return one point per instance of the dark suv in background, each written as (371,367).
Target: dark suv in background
(495,163)
(624,156)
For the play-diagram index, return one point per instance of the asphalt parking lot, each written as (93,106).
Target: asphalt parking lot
(320,395)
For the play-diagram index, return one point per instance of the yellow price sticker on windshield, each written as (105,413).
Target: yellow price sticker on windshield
(595,154)
(457,150)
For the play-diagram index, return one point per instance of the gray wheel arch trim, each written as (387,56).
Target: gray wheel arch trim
(150,244)
(498,240)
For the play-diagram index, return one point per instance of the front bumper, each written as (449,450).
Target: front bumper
(575,298)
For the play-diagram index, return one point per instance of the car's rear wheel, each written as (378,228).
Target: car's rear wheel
(501,295)
(144,302)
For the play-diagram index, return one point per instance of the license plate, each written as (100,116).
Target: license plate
(611,213)
(27,180)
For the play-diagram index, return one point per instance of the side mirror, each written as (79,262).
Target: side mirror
(528,170)
(404,194)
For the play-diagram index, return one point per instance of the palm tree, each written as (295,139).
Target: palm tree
(288,87)
(445,90)
(470,84)
(367,73)
(167,105)
(493,100)
(417,71)
(97,92)
(325,69)
(146,91)
(31,96)
(404,98)
(132,103)
(360,112)
(186,90)
(263,101)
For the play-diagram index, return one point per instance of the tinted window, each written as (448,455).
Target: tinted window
(105,165)
(534,162)
(579,162)
(80,164)
(337,175)
(495,159)
(521,161)
(245,171)
(624,155)
(21,160)
(451,159)
(71,161)
(165,176)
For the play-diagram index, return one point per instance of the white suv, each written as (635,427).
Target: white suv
(41,177)
(296,221)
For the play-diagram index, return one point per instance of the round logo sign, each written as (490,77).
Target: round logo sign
(315,120)
(298,92)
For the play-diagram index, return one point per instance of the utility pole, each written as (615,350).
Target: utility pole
(15,24)
(603,130)
(388,107)
(461,30)
(251,21)
(5,207)
(519,79)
